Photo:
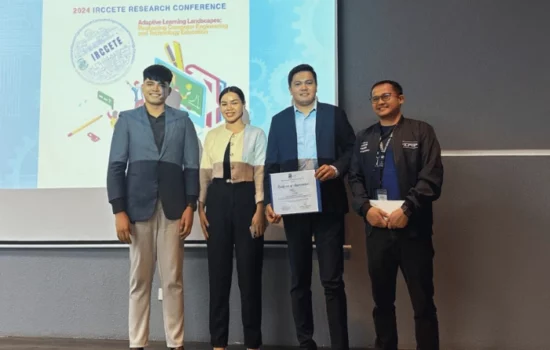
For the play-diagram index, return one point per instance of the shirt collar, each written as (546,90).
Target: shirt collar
(160,116)
(313,109)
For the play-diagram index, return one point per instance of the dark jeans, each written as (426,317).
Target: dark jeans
(387,251)
(328,230)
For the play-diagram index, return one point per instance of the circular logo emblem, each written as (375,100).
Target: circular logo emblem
(102,51)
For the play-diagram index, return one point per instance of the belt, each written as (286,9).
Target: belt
(222,180)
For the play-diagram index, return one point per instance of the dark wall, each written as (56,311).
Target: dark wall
(478,72)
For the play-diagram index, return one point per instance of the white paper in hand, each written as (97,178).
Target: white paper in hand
(387,206)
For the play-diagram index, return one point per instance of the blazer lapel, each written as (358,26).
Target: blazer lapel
(147,125)
(325,134)
(320,136)
(168,128)
(318,128)
(292,138)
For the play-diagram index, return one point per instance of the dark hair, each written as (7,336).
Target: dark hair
(234,89)
(301,68)
(158,73)
(394,84)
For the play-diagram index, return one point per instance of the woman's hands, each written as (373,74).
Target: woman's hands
(203,220)
(258,221)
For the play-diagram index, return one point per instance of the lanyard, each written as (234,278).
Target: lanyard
(381,157)
(383,148)
(381,153)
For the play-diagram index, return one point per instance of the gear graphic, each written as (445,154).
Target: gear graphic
(262,68)
(16,163)
(262,109)
(278,84)
(306,26)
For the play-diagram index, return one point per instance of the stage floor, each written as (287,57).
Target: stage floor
(12,343)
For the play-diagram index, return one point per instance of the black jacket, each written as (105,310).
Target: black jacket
(417,157)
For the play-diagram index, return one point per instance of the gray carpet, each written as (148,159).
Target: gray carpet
(10,343)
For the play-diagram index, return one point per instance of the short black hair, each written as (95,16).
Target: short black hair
(301,68)
(158,73)
(396,86)
(234,89)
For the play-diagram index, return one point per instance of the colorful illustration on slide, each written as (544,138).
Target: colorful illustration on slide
(194,89)
(198,88)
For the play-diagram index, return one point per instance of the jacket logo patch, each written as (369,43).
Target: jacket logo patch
(364,147)
(410,144)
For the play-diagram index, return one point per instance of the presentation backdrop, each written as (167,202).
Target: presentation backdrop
(68,69)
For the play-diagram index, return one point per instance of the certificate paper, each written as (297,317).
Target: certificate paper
(387,206)
(295,192)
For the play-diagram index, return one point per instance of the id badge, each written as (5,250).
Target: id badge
(380,160)
(382,194)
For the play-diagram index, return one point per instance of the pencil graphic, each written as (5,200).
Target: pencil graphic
(179,55)
(170,54)
(85,125)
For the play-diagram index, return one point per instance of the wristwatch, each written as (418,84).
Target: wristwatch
(193,205)
(406,210)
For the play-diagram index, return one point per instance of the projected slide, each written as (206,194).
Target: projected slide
(106,48)
(67,69)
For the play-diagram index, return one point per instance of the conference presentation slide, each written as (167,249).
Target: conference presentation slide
(67,70)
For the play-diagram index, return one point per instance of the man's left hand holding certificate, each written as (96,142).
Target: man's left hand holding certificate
(296,192)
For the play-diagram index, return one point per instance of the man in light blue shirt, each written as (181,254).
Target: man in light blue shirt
(307,139)
(311,135)
(305,132)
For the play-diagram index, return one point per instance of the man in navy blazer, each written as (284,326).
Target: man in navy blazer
(153,186)
(313,136)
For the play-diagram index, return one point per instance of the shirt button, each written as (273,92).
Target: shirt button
(231,154)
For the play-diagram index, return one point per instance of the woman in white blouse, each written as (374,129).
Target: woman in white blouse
(232,216)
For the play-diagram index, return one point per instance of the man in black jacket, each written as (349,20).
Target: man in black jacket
(398,160)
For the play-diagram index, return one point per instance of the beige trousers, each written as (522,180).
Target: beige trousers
(156,240)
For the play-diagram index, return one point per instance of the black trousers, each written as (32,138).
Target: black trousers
(386,252)
(229,210)
(328,230)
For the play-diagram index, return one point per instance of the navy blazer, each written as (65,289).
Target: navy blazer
(335,140)
(138,174)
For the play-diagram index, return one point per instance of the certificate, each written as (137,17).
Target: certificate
(295,192)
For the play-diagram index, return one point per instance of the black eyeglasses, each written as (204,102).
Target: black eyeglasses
(385,97)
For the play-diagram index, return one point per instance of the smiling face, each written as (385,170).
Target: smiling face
(386,102)
(231,107)
(154,92)
(303,88)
